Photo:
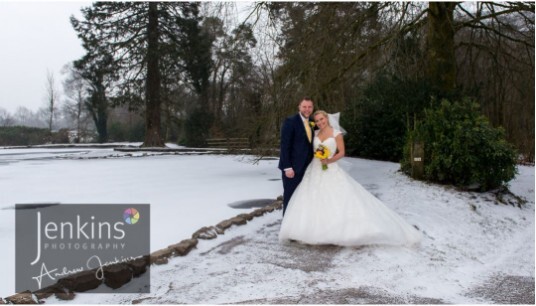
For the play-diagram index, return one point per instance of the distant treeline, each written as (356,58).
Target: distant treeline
(26,136)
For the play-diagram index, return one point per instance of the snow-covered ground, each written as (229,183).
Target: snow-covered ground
(185,192)
(468,239)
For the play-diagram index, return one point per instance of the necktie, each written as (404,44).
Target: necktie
(307,129)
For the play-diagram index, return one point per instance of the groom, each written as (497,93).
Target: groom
(296,148)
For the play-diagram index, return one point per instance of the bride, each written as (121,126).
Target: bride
(330,207)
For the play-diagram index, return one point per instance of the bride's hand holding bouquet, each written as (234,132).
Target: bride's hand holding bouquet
(322,153)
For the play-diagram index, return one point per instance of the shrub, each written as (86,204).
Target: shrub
(118,131)
(197,127)
(23,136)
(462,148)
(61,136)
(136,132)
(377,122)
(29,136)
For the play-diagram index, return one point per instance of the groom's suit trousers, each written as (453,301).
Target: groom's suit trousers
(289,186)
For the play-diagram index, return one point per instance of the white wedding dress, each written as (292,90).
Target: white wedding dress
(330,207)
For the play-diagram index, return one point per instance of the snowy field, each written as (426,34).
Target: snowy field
(468,240)
(185,192)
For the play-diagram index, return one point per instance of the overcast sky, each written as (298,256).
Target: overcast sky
(34,37)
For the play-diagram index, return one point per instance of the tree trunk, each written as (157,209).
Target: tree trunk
(152,92)
(51,91)
(98,107)
(79,105)
(100,118)
(102,130)
(102,111)
(441,68)
(51,115)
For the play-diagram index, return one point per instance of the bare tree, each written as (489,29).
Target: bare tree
(25,117)
(331,50)
(495,57)
(5,118)
(75,88)
(52,99)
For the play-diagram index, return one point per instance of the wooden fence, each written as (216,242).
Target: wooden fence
(228,143)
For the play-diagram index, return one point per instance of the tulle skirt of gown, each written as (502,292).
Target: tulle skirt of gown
(330,207)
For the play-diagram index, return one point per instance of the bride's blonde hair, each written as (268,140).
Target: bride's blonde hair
(321,112)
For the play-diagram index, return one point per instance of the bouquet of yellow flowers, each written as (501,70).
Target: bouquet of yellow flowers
(322,152)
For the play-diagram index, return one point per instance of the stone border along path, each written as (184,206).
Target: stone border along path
(121,273)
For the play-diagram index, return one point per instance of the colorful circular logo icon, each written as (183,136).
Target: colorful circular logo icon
(131,215)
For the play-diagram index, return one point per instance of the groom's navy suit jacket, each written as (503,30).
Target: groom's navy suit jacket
(296,150)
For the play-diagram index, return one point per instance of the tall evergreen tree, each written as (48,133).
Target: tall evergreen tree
(143,38)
